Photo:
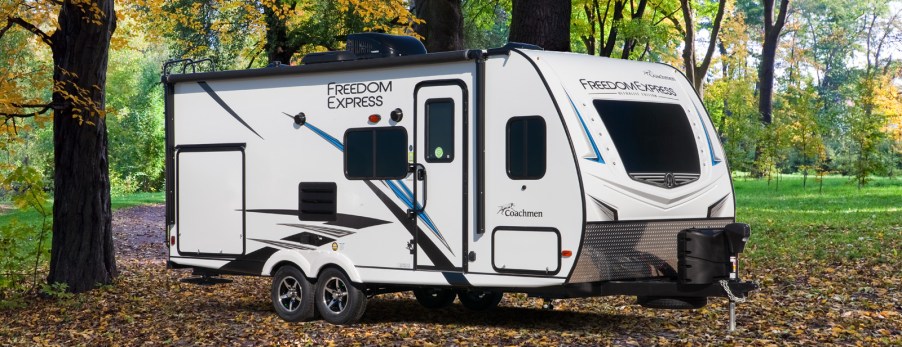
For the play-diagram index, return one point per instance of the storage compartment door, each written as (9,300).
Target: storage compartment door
(526,250)
(210,201)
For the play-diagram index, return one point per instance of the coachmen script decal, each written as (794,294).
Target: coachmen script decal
(509,211)
(628,88)
(354,95)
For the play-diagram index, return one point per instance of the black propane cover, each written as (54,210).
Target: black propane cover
(702,256)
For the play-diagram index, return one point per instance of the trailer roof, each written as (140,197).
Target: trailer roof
(431,58)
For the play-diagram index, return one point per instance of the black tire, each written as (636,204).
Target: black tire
(480,300)
(434,297)
(292,294)
(672,303)
(338,301)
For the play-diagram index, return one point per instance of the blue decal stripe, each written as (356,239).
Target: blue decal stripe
(325,136)
(588,134)
(406,196)
(399,194)
(701,121)
(406,190)
(422,215)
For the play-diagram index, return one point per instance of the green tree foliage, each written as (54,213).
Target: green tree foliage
(486,23)
(135,98)
(641,30)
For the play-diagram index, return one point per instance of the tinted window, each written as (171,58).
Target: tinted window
(650,137)
(376,153)
(440,130)
(526,147)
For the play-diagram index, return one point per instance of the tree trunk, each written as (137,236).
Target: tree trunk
(766,80)
(630,43)
(279,48)
(608,48)
(545,23)
(696,70)
(768,55)
(766,68)
(82,253)
(444,27)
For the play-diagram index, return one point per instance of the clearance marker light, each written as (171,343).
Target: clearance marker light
(375,118)
(172,240)
(566,253)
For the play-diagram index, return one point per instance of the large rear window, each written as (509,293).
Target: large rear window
(650,137)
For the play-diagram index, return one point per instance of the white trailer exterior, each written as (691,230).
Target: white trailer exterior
(478,172)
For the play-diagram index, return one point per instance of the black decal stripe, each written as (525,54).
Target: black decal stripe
(226,107)
(355,222)
(432,251)
(251,263)
(341,219)
(309,239)
(328,231)
(275,211)
(607,209)
(286,245)
(456,279)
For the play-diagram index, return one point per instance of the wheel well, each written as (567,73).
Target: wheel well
(284,263)
(331,266)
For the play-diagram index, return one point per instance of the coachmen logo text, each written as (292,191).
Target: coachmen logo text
(509,211)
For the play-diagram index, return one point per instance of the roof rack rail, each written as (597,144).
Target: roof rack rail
(186,63)
(506,49)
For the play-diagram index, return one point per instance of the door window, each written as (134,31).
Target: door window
(439,130)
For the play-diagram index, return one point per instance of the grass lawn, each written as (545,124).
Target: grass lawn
(32,217)
(838,223)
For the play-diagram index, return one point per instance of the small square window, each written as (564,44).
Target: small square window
(526,148)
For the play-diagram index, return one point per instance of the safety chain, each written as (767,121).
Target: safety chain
(726,288)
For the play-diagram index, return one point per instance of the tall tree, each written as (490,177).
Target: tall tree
(696,70)
(603,27)
(82,250)
(545,23)
(772,31)
(444,26)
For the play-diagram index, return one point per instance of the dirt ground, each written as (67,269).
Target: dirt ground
(854,303)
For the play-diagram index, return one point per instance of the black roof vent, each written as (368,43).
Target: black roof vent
(378,45)
(328,57)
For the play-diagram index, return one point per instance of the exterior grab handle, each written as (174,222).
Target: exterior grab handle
(419,174)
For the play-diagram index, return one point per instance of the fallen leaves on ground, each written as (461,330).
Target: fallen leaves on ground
(850,303)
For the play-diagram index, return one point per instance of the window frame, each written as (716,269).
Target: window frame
(427,153)
(507,149)
(373,146)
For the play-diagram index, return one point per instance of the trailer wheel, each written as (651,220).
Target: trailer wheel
(480,300)
(672,303)
(292,294)
(434,297)
(337,300)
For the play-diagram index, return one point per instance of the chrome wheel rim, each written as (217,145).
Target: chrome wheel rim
(290,294)
(335,295)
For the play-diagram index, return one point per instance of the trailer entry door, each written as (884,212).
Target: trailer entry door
(440,147)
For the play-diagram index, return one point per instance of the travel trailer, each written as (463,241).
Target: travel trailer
(464,174)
